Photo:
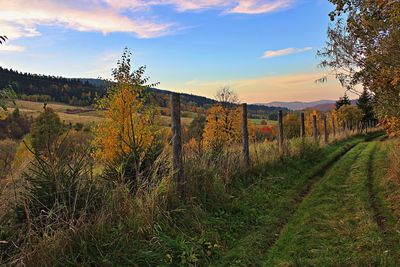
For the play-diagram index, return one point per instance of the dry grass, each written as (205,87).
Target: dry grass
(89,117)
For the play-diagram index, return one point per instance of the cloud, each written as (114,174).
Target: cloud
(284,52)
(19,18)
(227,6)
(11,48)
(260,7)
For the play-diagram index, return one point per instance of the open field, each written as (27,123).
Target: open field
(86,115)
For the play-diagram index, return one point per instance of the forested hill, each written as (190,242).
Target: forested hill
(82,92)
(45,88)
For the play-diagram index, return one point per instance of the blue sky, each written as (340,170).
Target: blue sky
(263,49)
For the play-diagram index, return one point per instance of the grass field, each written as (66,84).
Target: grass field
(89,116)
(258,122)
(340,223)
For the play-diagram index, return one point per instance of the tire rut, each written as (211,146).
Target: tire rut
(374,203)
(307,189)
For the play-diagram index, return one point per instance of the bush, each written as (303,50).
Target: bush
(60,189)
(46,129)
(15,125)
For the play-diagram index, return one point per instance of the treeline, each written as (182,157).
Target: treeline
(59,89)
(82,92)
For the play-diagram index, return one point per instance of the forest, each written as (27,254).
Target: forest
(235,185)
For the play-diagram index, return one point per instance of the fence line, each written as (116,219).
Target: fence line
(177,159)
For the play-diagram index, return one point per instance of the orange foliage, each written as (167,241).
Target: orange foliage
(392,126)
(224,126)
(130,123)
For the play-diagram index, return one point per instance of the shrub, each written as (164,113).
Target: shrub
(46,129)
(59,188)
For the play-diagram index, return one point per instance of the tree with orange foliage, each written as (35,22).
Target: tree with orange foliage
(128,140)
(223,121)
(291,123)
(320,121)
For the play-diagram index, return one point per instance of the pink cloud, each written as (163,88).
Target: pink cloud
(284,52)
(21,19)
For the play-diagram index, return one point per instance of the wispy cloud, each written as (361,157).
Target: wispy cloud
(19,18)
(227,6)
(260,7)
(284,52)
(11,48)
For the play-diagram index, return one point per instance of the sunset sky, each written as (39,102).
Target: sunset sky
(263,49)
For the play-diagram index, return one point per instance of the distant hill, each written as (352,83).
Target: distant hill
(82,92)
(297,105)
(329,107)
(322,105)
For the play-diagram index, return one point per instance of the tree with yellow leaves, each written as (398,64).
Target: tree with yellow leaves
(128,140)
(349,116)
(223,121)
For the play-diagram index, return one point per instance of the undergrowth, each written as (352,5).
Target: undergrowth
(218,223)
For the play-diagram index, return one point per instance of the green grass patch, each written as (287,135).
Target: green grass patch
(335,224)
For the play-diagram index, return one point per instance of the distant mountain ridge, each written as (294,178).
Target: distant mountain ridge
(298,105)
(321,105)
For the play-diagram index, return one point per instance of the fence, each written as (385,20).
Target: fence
(177,157)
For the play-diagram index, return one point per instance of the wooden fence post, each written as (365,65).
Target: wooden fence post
(280,130)
(333,127)
(302,126)
(315,130)
(245,131)
(177,161)
(325,131)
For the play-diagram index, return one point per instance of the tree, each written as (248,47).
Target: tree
(291,124)
(365,104)
(46,129)
(129,140)
(223,120)
(342,102)
(7,95)
(349,116)
(362,48)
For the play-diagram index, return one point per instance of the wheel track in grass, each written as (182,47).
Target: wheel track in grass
(375,205)
(268,240)
(315,179)
(346,181)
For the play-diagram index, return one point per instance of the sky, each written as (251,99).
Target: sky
(265,50)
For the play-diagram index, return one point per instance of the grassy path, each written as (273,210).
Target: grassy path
(340,223)
(269,204)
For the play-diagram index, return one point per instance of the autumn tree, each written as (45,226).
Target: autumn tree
(223,120)
(349,116)
(362,48)
(129,139)
(291,124)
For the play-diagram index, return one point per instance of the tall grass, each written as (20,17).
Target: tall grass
(79,219)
